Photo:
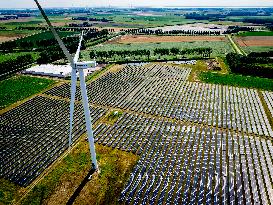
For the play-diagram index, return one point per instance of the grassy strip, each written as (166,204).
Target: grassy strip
(20,87)
(112,117)
(235,46)
(60,184)
(98,73)
(237,80)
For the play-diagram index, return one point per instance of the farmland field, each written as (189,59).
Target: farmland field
(255,41)
(46,35)
(158,39)
(8,56)
(21,87)
(249,49)
(12,35)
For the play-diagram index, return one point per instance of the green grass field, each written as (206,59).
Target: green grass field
(256,33)
(46,35)
(4,57)
(249,49)
(20,87)
(237,80)
(16,33)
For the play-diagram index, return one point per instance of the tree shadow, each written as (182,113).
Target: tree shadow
(80,187)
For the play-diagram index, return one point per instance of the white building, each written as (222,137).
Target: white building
(60,71)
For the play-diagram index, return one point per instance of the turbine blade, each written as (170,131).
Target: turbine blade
(60,42)
(77,55)
(88,120)
(72,102)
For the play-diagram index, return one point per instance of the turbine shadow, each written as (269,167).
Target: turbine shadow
(80,187)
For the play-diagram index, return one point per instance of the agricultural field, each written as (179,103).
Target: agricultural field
(14,34)
(8,56)
(47,35)
(255,43)
(20,87)
(224,131)
(165,39)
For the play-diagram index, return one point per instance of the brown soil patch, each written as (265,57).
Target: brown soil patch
(6,38)
(255,41)
(158,39)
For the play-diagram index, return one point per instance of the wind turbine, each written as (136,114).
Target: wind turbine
(76,66)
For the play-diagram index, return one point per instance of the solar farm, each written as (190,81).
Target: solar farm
(198,143)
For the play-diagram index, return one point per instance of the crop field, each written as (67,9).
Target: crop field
(8,56)
(249,49)
(12,35)
(255,41)
(158,39)
(197,142)
(46,35)
(20,87)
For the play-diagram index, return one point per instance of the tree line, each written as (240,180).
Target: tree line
(250,65)
(237,29)
(15,64)
(41,44)
(145,53)
(55,53)
(34,28)
(172,32)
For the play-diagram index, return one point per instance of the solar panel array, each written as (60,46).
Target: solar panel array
(35,134)
(188,164)
(198,143)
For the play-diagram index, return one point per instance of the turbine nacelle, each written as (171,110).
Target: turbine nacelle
(85,64)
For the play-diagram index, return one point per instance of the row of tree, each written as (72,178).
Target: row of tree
(15,64)
(41,44)
(172,32)
(113,54)
(55,53)
(249,65)
(237,29)
(34,28)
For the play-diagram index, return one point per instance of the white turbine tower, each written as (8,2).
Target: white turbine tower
(76,66)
